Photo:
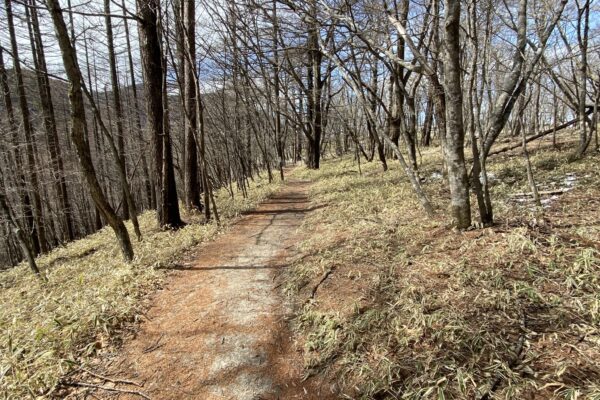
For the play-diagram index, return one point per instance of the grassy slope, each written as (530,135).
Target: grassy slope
(90,296)
(410,308)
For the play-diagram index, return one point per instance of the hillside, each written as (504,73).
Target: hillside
(391,304)
(92,298)
(300,200)
(385,303)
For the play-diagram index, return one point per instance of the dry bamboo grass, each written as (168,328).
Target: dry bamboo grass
(90,297)
(416,310)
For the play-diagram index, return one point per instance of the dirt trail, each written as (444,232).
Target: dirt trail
(217,330)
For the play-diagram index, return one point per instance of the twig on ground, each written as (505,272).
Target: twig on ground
(107,379)
(323,278)
(155,346)
(517,350)
(109,389)
(543,193)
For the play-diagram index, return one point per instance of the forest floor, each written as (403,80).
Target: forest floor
(338,277)
(392,304)
(92,299)
(218,329)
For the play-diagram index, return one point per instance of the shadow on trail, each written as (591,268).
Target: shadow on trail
(284,211)
(179,267)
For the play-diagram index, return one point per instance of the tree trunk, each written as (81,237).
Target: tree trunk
(19,234)
(152,65)
(278,135)
(514,82)
(54,147)
(529,168)
(116,97)
(582,38)
(313,148)
(411,130)
(28,130)
(454,146)
(485,214)
(428,123)
(78,127)
(371,122)
(16,156)
(192,180)
(150,193)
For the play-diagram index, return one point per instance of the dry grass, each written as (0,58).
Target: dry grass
(416,310)
(47,329)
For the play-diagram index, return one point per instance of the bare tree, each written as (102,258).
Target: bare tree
(78,127)
(154,83)
(192,179)
(54,147)
(40,243)
(455,134)
(24,242)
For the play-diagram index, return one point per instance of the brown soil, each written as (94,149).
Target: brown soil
(218,329)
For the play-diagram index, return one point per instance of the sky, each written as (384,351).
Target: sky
(91,28)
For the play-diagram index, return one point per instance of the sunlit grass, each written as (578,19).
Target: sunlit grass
(416,310)
(47,328)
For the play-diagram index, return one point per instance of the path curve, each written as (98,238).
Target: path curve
(218,330)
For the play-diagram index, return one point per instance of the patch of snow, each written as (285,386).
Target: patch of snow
(436,175)
(569,181)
